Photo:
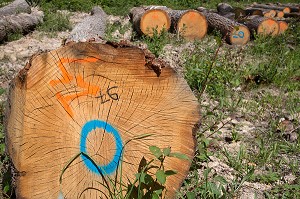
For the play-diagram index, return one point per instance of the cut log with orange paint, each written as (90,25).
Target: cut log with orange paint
(95,99)
(149,20)
(283,26)
(189,24)
(234,33)
(262,25)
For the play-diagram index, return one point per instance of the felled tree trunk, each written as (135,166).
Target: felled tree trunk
(262,25)
(16,7)
(21,23)
(148,20)
(91,28)
(235,33)
(190,24)
(272,7)
(293,7)
(95,99)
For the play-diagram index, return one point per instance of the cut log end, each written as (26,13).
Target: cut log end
(280,14)
(283,26)
(268,27)
(270,13)
(286,10)
(94,98)
(192,25)
(155,20)
(240,35)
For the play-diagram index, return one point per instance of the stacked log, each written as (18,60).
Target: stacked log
(262,25)
(234,33)
(272,7)
(283,26)
(189,24)
(149,20)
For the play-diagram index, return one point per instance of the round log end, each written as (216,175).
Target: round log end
(283,26)
(155,20)
(286,10)
(268,27)
(192,25)
(240,35)
(270,13)
(280,14)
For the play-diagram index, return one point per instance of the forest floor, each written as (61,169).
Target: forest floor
(248,142)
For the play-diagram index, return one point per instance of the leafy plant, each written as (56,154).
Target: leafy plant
(55,21)
(156,42)
(149,180)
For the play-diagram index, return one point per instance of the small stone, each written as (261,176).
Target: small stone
(1,55)
(289,178)
(12,57)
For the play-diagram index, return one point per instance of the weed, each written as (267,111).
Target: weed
(149,180)
(54,22)
(157,42)
(14,36)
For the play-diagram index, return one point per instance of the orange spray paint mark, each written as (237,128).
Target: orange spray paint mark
(155,16)
(67,78)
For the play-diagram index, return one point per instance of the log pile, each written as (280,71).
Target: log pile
(235,24)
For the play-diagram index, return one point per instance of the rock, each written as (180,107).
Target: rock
(1,55)
(289,178)
(12,57)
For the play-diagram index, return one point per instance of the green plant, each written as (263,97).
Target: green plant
(149,180)
(14,36)
(156,42)
(54,22)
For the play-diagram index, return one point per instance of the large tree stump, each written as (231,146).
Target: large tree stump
(21,23)
(235,33)
(262,25)
(16,7)
(93,98)
(149,20)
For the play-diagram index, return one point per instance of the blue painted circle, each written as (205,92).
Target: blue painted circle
(113,164)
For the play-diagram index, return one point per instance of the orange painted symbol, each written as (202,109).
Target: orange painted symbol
(67,78)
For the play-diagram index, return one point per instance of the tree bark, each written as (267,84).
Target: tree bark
(16,7)
(262,25)
(254,11)
(224,8)
(235,33)
(189,24)
(150,20)
(91,28)
(21,23)
(94,98)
